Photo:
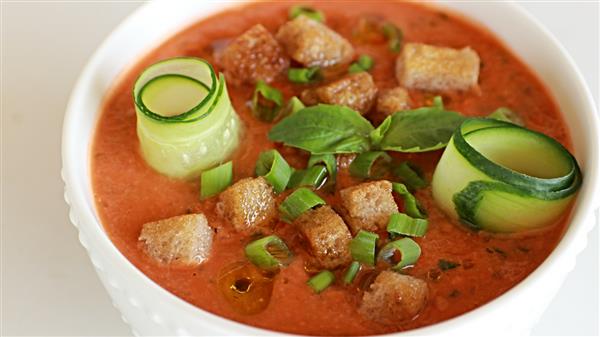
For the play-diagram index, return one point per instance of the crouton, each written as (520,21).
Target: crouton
(393,100)
(356,91)
(311,43)
(433,68)
(394,298)
(327,237)
(255,55)
(249,204)
(368,205)
(185,239)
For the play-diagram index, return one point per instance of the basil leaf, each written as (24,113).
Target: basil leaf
(418,130)
(323,128)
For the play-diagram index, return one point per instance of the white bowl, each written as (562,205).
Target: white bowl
(151,310)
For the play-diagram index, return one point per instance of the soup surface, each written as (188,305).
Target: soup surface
(129,193)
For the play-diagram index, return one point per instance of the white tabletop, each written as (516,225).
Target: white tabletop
(48,284)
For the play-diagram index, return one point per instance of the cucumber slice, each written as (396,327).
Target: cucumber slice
(185,121)
(172,95)
(500,177)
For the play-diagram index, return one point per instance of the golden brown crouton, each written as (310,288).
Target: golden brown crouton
(327,237)
(393,100)
(356,91)
(311,43)
(252,56)
(185,239)
(427,67)
(249,204)
(394,298)
(368,206)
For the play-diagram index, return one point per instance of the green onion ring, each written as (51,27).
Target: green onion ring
(274,168)
(216,180)
(402,224)
(268,253)
(300,201)
(321,281)
(409,251)
(362,165)
(362,247)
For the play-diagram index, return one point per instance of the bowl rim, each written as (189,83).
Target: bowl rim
(76,196)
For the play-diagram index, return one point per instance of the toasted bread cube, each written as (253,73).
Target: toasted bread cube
(185,239)
(356,91)
(427,67)
(249,204)
(327,237)
(393,100)
(311,43)
(255,55)
(394,298)
(368,205)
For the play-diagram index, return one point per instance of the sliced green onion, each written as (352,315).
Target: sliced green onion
(309,12)
(185,120)
(321,281)
(500,177)
(411,204)
(300,201)
(330,164)
(362,247)
(268,253)
(304,75)
(402,224)
(274,168)
(266,102)
(410,175)
(292,106)
(216,180)
(351,272)
(409,253)
(364,63)
(363,165)
(507,115)
(311,177)
(394,36)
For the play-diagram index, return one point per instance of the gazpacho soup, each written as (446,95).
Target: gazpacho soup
(333,168)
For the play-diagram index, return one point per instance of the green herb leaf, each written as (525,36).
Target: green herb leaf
(323,128)
(447,265)
(418,130)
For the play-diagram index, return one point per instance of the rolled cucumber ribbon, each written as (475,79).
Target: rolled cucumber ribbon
(500,177)
(185,120)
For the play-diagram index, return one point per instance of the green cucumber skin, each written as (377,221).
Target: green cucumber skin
(528,202)
(214,89)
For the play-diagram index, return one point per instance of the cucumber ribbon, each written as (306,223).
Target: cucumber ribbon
(185,120)
(500,177)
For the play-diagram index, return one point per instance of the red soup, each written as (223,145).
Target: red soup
(459,268)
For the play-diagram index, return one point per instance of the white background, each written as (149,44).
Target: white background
(48,284)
